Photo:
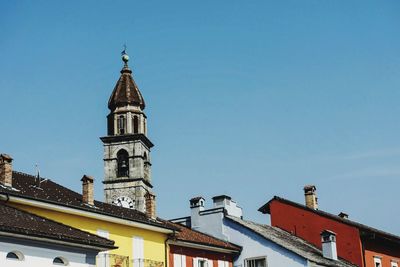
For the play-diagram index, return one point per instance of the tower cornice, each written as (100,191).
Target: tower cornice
(127,137)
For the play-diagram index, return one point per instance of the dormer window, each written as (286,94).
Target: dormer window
(15,255)
(121,124)
(123,163)
(60,261)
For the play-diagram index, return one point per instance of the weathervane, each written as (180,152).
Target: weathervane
(125,57)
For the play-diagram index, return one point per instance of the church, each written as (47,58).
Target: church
(127,165)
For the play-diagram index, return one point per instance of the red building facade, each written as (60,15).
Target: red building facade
(359,244)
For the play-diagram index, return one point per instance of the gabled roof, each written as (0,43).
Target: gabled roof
(17,223)
(186,234)
(364,229)
(126,92)
(26,186)
(290,242)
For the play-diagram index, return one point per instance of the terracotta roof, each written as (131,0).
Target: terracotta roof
(26,186)
(364,229)
(189,235)
(126,92)
(290,242)
(15,221)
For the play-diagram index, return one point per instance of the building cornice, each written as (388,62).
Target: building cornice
(84,213)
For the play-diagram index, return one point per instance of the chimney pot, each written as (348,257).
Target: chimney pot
(197,202)
(87,190)
(230,206)
(328,239)
(6,170)
(311,196)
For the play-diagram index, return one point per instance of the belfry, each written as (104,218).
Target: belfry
(127,165)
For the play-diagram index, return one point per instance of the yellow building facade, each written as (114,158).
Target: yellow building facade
(141,243)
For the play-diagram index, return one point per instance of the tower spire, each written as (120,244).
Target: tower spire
(127,162)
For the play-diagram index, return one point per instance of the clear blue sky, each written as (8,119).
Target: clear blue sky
(250,99)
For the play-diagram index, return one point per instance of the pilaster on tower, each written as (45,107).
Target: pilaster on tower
(127,162)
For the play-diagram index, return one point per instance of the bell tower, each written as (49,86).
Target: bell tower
(127,165)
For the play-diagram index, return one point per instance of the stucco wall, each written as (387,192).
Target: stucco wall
(308,225)
(256,246)
(39,254)
(154,247)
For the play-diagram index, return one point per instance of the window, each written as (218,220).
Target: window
(393,263)
(256,262)
(121,124)
(202,262)
(135,124)
(60,261)
(15,255)
(123,163)
(179,260)
(377,261)
(223,263)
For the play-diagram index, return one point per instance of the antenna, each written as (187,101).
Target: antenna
(37,175)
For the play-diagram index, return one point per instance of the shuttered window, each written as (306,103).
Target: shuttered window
(179,260)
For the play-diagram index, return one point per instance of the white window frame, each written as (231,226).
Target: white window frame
(254,259)
(377,259)
(208,262)
(394,263)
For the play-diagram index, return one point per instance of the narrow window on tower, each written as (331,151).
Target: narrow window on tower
(123,163)
(135,124)
(121,124)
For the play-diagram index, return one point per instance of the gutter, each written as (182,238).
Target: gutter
(88,214)
(58,242)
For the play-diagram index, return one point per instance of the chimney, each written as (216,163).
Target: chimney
(311,196)
(151,205)
(328,239)
(87,190)
(343,215)
(6,170)
(196,206)
(230,206)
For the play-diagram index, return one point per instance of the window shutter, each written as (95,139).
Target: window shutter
(210,263)
(138,249)
(183,260)
(177,260)
(195,262)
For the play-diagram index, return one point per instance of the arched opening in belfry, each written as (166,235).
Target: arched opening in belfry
(123,163)
(121,124)
(135,124)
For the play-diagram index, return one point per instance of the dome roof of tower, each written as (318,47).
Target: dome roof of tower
(126,92)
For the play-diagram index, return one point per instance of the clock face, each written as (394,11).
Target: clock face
(125,202)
